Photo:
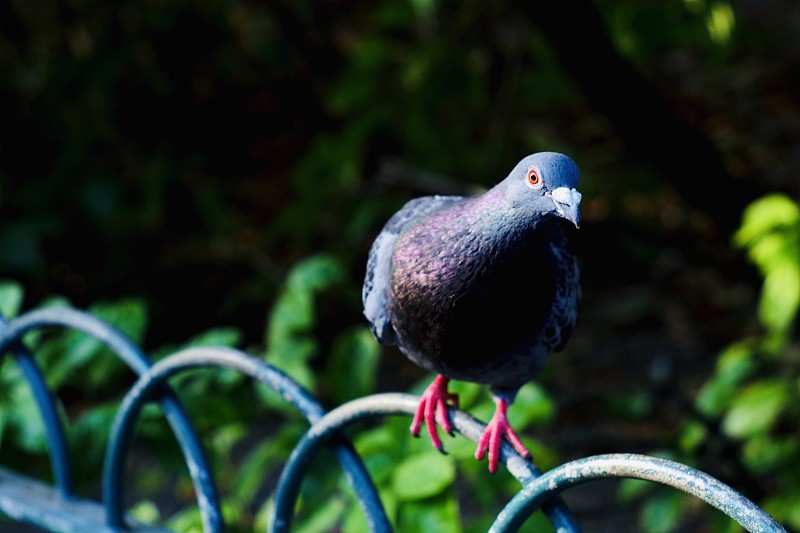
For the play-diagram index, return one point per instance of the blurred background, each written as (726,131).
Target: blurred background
(214,172)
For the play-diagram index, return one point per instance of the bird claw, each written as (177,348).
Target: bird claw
(432,409)
(492,438)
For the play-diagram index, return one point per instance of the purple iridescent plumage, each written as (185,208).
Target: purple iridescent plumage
(479,289)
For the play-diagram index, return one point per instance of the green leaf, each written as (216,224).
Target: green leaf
(720,22)
(223,336)
(18,407)
(780,297)
(536,523)
(693,435)
(764,453)
(24,416)
(468,393)
(439,514)
(533,405)
(325,518)
(187,520)
(478,524)
(290,341)
(423,475)
(766,215)
(630,489)
(546,457)
(90,431)
(770,250)
(662,512)
(11,296)
(63,355)
(756,408)
(129,315)
(315,274)
(461,449)
(770,233)
(355,521)
(251,473)
(353,364)
(264,514)
(381,448)
(145,512)
(785,508)
(734,366)
(424,8)
(373,441)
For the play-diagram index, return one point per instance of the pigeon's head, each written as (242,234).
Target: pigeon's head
(545,184)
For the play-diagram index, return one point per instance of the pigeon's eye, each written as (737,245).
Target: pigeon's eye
(534,180)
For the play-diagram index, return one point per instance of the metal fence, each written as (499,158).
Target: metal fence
(58,508)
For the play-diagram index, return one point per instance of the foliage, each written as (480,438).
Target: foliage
(416,483)
(749,403)
(759,409)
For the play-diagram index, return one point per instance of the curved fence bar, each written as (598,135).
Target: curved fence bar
(58,509)
(155,379)
(56,437)
(133,356)
(377,405)
(59,456)
(199,471)
(67,317)
(663,471)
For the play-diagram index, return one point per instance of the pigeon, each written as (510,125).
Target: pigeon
(479,289)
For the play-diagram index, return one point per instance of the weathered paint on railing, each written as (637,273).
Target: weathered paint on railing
(58,509)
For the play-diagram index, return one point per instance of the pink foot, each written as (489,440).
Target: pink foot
(432,409)
(498,428)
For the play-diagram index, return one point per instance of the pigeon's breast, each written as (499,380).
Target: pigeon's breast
(469,303)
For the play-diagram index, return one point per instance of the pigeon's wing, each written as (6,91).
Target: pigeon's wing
(375,292)
(564,313)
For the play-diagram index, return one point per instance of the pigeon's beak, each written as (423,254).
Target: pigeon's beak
(567,202)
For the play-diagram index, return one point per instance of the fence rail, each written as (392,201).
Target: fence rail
(58,508)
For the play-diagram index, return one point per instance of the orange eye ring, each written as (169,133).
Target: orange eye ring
(534,180)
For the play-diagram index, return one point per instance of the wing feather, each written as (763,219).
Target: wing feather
(374,293)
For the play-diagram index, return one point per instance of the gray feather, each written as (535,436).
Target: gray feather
(377,279)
